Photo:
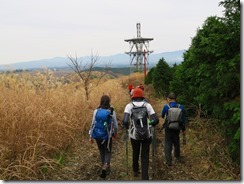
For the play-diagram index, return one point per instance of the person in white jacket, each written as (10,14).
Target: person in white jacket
(138,143)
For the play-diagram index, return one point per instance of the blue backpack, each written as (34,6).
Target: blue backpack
(102,126)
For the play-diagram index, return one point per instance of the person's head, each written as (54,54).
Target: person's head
(172,96)
(141,86)
(105,102)
(138,94)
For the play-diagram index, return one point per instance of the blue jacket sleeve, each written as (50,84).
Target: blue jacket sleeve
(183,119)
(164,111)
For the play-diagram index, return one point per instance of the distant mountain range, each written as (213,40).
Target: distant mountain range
(118,60)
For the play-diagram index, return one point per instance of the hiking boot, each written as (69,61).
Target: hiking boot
(108,170)
(105,170)
(136,174)
(177,159)
(103,174)
(168,163)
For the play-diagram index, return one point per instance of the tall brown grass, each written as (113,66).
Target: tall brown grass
(40,117)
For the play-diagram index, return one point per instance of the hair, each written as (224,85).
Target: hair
(138,99)
(105,102)
(172,96)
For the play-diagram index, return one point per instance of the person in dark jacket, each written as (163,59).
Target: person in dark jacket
(172,137)
(139,146)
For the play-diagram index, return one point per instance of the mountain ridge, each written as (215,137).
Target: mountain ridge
(116,60)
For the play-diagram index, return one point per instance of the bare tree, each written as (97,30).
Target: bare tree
(84,71)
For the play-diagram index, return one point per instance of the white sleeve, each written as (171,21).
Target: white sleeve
(115,121)
(150,109)
(128,108)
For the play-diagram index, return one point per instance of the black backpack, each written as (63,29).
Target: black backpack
(140,125)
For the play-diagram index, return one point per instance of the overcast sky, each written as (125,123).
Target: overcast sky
(33,30)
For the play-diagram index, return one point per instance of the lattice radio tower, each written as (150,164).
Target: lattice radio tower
(139,51)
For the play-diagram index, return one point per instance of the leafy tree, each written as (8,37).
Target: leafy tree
(210,72)
(149,78)
(161,77)
(230,75)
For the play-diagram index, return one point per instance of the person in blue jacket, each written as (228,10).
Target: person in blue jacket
(172,137)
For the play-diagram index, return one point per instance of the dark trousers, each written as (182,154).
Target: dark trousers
(144,147)
(105,153)
(172,138)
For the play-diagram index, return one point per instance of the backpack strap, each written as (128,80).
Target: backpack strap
(143,105)
(178,106)
(111,110)
(110,132)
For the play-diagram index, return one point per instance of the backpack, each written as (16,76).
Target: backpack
(139,119)
(174,117)
(102,126)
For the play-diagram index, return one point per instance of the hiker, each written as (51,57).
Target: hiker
(173,110)
(130,88)
(141,86)
(104,126)
(132,91)
(140,130)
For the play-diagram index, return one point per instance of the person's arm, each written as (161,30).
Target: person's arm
(126,118)
(163,115)
(154,119)
(183,119)
(164,111)
(152,115)
(93,120)
(115,122)
(92,124)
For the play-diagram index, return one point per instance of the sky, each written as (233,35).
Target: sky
(33,30)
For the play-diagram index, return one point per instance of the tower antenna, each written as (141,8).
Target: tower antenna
(139,51)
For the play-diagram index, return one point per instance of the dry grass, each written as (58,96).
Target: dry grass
(40,117)
(35,123)
(208,146)
(44,123)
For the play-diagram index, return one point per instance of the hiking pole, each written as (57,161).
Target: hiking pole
(160,130)
(153,151)
(126,145)
(184,138)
